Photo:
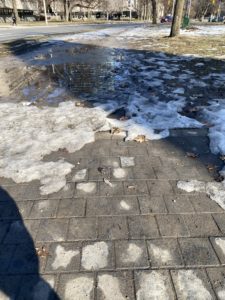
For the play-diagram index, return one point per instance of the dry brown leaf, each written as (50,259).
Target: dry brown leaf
(140,139)
(116,130)
(191,155)
(42,251)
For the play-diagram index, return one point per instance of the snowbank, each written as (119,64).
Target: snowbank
(215,115)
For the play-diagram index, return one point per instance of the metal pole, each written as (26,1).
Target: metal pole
(45,12)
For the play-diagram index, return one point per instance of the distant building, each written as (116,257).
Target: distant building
(26,10)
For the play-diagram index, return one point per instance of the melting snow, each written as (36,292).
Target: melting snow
(110,287)
(29,133)
(132,254)
(95,256)
(215,190)
(153,286)
(79,288)
(192,287)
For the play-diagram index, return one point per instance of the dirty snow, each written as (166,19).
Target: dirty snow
(29,133)
(127,161)
(215,115)
(221,243)
(132,254)
(145,118)
(110,287)
(215,190)
(87,187)
(162,255)
(63,257)
(80,175)
(119,173)
(191,287)
(79,288)
(95,256)
(152,286)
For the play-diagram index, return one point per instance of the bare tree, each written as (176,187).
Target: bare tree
(154,12)
(177,18)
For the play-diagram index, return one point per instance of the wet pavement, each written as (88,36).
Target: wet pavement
(120,228)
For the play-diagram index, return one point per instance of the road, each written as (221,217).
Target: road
(14,33)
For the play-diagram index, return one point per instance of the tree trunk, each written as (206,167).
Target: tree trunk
(154,12)
(15,11)
(66,11)
(177,18)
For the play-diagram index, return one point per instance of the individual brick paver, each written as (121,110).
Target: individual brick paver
(122,231)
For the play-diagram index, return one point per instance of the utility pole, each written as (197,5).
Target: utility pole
(177,18)
(45,12)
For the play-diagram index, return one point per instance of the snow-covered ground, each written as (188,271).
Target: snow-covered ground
(28,133)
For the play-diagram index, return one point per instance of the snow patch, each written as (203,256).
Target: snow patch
(110,287)
(87,187)
(162,255)
(152,286)
(221,243)
(29,133)
(95,256)
(215,115)
(127,161)
(119,173)
(132,254)
(63,257)
(80,175)
(192,287)
(79,288)
(215,190)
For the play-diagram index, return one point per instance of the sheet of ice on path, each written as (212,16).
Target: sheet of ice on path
(29,133)
(215,190)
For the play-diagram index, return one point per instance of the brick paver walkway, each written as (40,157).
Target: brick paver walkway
(121,229)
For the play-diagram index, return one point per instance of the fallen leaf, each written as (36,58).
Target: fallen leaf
(191,154)
(42,251)
(140,139)
(116,130)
